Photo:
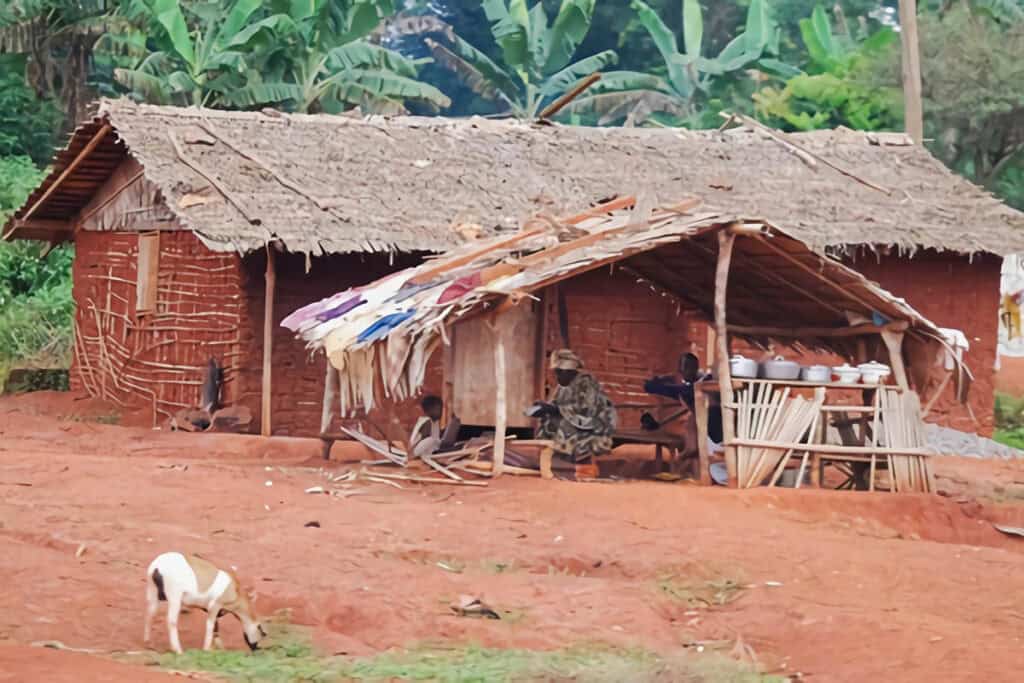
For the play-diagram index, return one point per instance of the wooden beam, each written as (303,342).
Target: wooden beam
(458,261)
(700,402)
(810,332)
(828,448)
(500,407)
(725,242)
(268,341)
(913,113)
(79,158)
(568,97)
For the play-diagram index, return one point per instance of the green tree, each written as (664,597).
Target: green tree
(689,74)
(321,59)
(536,54)
(831,93)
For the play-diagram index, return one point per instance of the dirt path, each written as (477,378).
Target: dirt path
(846,586)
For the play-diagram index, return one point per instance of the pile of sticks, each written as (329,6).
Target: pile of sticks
(767,414)
(903,428)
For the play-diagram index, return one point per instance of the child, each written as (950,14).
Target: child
(427,437)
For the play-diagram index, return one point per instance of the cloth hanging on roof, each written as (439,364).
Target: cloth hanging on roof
(460,288)
(383,326)
(341,309)
(295,320)
(408,290)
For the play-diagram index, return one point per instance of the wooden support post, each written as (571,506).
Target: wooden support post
(268,343)
(913,116)
(331,381)
(894,343)
(700,406)
(500,414)
(725,242)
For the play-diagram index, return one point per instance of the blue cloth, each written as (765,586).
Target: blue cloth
(382,326)
(671,387)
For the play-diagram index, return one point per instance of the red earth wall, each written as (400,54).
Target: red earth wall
(955,291)
(154,359)
(297,383)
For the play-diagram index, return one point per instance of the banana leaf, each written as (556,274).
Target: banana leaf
(559,82)
(567,32)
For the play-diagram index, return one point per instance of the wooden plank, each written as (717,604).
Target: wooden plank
(331,382)
(473,372)
(79,158)
(894,343)
(829,448)
(466,259)
(725,243)
(500,401)
(266,425)
(147,271)
(811,332)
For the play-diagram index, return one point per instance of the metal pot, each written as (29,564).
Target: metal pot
(874,372)
(847,374)
(742,367)
(816,373)
(780,368)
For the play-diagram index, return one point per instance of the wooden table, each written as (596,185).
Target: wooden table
(657,438)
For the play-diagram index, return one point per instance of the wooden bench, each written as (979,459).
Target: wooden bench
(674,443)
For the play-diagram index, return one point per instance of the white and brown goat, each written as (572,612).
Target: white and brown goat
(189,581)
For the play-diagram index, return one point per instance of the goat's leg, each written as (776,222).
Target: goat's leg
(173,609)
(211,625)
(152,602)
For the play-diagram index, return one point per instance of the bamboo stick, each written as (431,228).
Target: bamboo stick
(266,424)
(725,243)
(500,414)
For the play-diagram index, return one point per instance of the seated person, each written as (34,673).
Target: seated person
(579,418)
(427,437)
(681,388)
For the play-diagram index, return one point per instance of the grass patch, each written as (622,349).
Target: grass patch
(698,586)
(292,659)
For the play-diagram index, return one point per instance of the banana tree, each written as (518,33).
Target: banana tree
(194,67)
(537,55)
(690,72)
(320,60)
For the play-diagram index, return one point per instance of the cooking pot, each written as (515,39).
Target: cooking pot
(780,368)
(742,367)
(847,374)
(874,372)
(816,373)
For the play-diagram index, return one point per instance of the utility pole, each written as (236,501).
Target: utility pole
(913,116)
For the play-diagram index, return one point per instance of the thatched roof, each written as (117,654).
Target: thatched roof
(779,289)
(342,184)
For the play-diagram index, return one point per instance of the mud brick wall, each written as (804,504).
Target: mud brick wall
(153,359)
(624,332)
(298,376)
(957,291)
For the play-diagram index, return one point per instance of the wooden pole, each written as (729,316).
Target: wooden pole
(725,242)
(700,401)
(268,341)
(913,117)
(894,343)
(500,414)
(331,382)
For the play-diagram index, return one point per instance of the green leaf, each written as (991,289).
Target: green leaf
(168,13)
(567,77)
(181,82)
(363,54)
(878,41)
(614,106)
(759,25)
(778,68)
(278,25)
(665,41)
(509,28)
(263,94)
(237,19)
(538,33)
(817,51)
(149,86)
(477,70)
(570,28)
(823,30)
(363,18)
(392,86)
(693,27)
(615,81)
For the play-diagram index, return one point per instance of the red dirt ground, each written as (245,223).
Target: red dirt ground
(873,586)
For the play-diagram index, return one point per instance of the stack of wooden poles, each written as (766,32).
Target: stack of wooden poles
(902,427)
(766,413)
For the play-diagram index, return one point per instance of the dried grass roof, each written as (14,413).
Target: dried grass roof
(778,288)
(343,184)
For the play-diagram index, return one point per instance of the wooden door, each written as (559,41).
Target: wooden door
(472,366)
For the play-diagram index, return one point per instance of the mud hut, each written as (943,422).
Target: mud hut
(188,222)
